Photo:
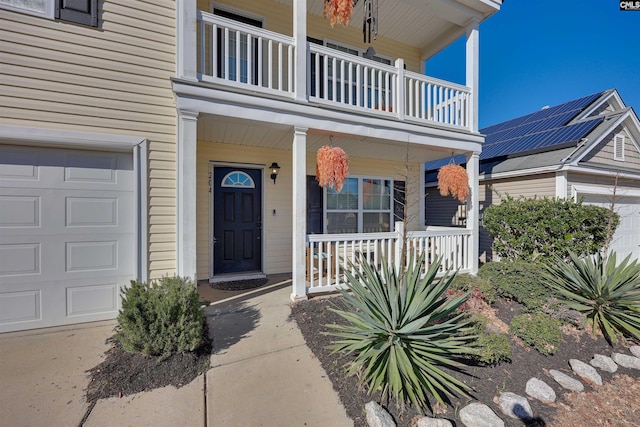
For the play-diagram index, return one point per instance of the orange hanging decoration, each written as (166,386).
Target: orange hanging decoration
(332,167)
(338,11)
(453,180)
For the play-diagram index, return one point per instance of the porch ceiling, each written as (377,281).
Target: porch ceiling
(429,25)
(247,133)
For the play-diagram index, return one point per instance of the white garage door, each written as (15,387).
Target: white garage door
(67,235)
(626,239)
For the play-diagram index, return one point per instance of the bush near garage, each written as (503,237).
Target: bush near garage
(161,318)
(520,281)
(539,229)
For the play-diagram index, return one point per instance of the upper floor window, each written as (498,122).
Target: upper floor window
(618,147)
(83,12)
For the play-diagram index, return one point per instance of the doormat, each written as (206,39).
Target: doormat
(239,285)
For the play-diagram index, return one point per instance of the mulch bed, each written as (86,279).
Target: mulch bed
(487,381)
(123,373)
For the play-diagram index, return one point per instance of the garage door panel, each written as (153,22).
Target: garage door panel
(19,259)
(626,239)
(61,168)
(57,212)
(20,307)
(67,235)
(19,211)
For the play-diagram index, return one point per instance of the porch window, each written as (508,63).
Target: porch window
(363,206)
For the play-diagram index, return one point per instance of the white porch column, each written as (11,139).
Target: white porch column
(422,196)
(472,61)
(186,39)
(300,39)
(299,194)
(186,194)
(473,204)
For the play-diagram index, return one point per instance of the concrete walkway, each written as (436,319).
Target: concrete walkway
(262,375)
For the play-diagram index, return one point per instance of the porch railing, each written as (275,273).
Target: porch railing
(329,256)
(242,56)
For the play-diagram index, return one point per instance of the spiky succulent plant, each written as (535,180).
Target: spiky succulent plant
(402,329)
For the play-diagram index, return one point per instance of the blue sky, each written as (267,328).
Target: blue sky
(542,52)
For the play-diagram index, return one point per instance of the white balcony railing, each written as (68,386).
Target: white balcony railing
(242,56)
(330,255)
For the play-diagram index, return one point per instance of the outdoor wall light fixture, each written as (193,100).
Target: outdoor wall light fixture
(274,171)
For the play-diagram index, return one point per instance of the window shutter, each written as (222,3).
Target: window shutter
(314,206)
(83,12)
(398,200)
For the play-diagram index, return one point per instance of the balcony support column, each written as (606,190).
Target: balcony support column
(300,39)
(472,61)
(299,189)
(186,39)
(473,211)
(186,194)
(400,90)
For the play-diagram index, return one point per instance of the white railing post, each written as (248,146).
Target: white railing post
(187,40)
(399,229)
(400,89)
(299,214)
(301,50)
(473,212)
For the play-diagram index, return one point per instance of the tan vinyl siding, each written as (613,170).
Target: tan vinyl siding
(279,18)
(114,79)
(443,211)
(277,253)
(493,191)
(604,152)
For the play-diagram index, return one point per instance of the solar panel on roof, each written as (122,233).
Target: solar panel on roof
(540,129)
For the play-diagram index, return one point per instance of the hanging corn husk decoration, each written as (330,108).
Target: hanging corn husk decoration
(332,167)
(453,180)
(338,11)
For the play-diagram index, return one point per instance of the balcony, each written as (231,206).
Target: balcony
(245,58)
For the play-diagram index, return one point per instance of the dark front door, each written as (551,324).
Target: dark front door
(237,220)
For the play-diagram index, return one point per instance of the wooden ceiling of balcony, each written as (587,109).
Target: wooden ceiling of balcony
(254,134)
(430,25)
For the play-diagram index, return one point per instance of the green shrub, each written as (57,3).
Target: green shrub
(528,229)
(608,294)
(490,348)
(538,330)
(401,330)
(471,283)
(518,280)
(160,318)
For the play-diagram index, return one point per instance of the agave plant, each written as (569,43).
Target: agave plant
(606,292)
(402,329)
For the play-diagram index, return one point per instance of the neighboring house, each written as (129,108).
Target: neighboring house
(575,150)
(136,140)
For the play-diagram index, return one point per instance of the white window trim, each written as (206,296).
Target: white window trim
(361,211)
(618,156)
(360,51)
(48,12)
(237,11)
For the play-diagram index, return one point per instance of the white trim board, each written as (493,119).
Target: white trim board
(602,191)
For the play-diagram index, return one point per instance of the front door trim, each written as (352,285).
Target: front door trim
(212,165)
